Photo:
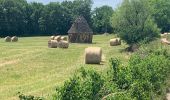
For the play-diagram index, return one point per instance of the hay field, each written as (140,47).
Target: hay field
(30,67)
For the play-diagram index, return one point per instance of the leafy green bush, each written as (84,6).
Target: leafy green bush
(83,86)
(118,73)
(119,96)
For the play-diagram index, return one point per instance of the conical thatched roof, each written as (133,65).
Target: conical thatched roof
(80,26)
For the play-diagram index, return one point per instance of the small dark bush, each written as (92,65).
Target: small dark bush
(29,97)
(85,85)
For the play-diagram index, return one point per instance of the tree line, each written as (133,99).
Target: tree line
(18,17)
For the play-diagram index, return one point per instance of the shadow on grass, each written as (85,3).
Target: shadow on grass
(101,63)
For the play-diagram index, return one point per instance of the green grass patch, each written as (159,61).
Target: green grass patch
(30,67)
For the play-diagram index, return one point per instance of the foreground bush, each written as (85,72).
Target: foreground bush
(141,79)
(83,86)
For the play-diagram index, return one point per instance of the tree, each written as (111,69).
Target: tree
(17,17)
(133,22)
(161,14)
(36,14)
(101,19)
(58,17)
(82,8)
(12,17)
(52,17)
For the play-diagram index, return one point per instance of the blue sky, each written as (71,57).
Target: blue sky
(97,3)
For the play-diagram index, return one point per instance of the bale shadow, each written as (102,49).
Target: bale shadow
(100,64)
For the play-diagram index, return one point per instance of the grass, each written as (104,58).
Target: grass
(30,67)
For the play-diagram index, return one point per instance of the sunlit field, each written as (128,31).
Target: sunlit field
(30,67)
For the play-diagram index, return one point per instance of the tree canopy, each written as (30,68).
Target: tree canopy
(134,23)
(161,14)
(17,17)
(101,19)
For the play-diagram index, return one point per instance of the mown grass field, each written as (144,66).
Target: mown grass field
(30,67)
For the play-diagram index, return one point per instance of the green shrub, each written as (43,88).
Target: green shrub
(85,85)
(144,76)
(119,96)
(153,68)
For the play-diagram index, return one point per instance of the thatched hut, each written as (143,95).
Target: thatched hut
(80,32)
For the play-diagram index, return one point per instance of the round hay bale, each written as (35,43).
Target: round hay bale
(8,39)
(106,34)
(14,39)
(52,44)
(63,44)
(57,38)
(52,37)
(164,35)
(165,41)
(119,41)
(115,42)
(64,38)
(93,55)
